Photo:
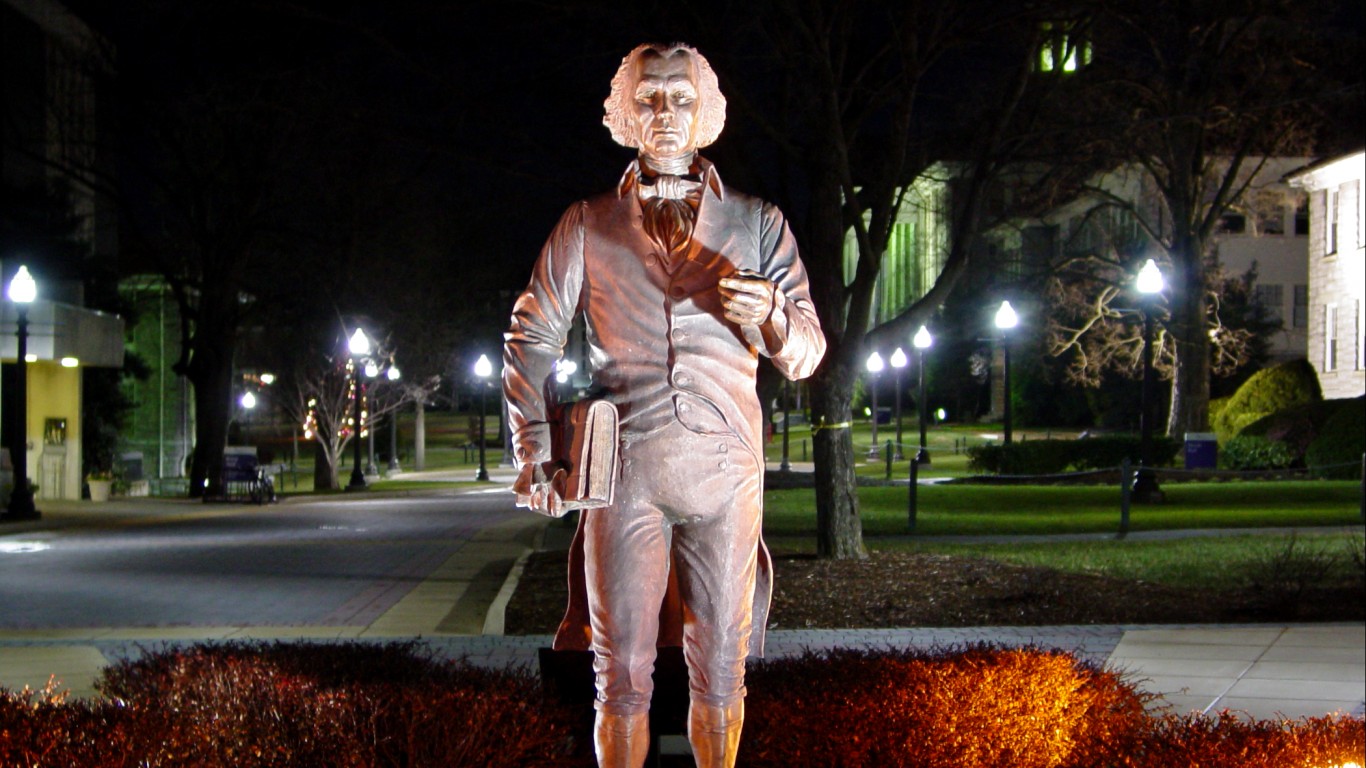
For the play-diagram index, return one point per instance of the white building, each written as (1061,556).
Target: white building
(1337,279)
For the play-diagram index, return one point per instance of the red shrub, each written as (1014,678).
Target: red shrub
(352,705)
(978,707)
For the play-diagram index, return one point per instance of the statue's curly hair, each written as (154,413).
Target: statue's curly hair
(620,103)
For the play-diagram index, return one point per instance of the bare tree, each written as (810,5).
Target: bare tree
(873,95)
(1198,94)
(322,398)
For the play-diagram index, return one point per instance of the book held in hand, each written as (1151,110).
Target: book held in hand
(586,447)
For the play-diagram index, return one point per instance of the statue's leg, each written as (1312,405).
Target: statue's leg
(626,572)
(621,741)
(714,733)
(716,553)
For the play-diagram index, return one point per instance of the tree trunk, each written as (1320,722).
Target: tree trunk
(419,436)
(1189,330)
(839,528)
(324,469)
(212,380)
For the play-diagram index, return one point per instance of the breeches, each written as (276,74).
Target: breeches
(694,503)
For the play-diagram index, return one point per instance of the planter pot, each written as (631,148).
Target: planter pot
(100,489)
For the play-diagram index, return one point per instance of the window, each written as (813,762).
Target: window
(1360,333)
(1331,214)
(1302,218)
(1233,223)
(1271,222)
(1330,337)
(1269,298)
(1299,315)
(1065,48)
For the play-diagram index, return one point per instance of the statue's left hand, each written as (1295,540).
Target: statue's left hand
(747,297)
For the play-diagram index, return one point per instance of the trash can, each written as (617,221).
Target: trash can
(1202,450)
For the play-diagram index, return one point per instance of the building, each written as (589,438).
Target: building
(48,127)
(1266,228)
(1337,279)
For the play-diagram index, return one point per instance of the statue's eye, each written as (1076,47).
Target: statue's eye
(645,97)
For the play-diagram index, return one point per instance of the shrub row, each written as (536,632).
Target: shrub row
(362,705)
(1049,457)
(291,705)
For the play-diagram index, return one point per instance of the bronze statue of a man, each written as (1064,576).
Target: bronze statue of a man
(682,283)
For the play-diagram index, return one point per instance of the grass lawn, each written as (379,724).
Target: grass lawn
(1208,562)
(1020,510)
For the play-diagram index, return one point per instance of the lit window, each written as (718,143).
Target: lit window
(1063,50)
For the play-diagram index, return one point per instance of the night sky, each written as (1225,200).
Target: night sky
(457,131)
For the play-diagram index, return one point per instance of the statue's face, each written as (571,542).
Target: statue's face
(666,106)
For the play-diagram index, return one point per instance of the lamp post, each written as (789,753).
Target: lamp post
(393,375)
(483,369)
(1149,284)
(786,465)
(23,289)
(922,342)
(874,366)
(359,345)
(1006,320)
(898,361)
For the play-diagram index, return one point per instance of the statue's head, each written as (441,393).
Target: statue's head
(665,101)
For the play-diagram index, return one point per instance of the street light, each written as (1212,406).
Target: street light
(786,464)
(874,366)
(22,291)
(483,369)
(898,361)
(393,374)
(1006,319)
(1149,284)
(359,345)
(922,342)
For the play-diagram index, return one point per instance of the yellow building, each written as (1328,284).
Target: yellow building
(62,339)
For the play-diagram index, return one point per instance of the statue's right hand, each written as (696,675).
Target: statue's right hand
(535,489)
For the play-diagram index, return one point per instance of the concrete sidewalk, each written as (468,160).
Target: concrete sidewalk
(1264,671)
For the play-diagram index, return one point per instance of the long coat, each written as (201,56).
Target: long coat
(659,346)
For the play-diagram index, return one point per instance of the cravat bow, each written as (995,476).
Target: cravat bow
(669,187)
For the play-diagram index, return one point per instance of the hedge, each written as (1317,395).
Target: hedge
(1051,457)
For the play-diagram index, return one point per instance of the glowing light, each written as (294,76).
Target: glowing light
(30,358)
(1006,317)
(359,343)
(482,367)
(23,289)
(248,400)
(267,379)
(941,414)
(1150,278)
(875,363)
(67,362)
(898,359)
(923,339)
(393,374)
(371,370)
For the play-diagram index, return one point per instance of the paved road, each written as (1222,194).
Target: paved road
(342,563)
